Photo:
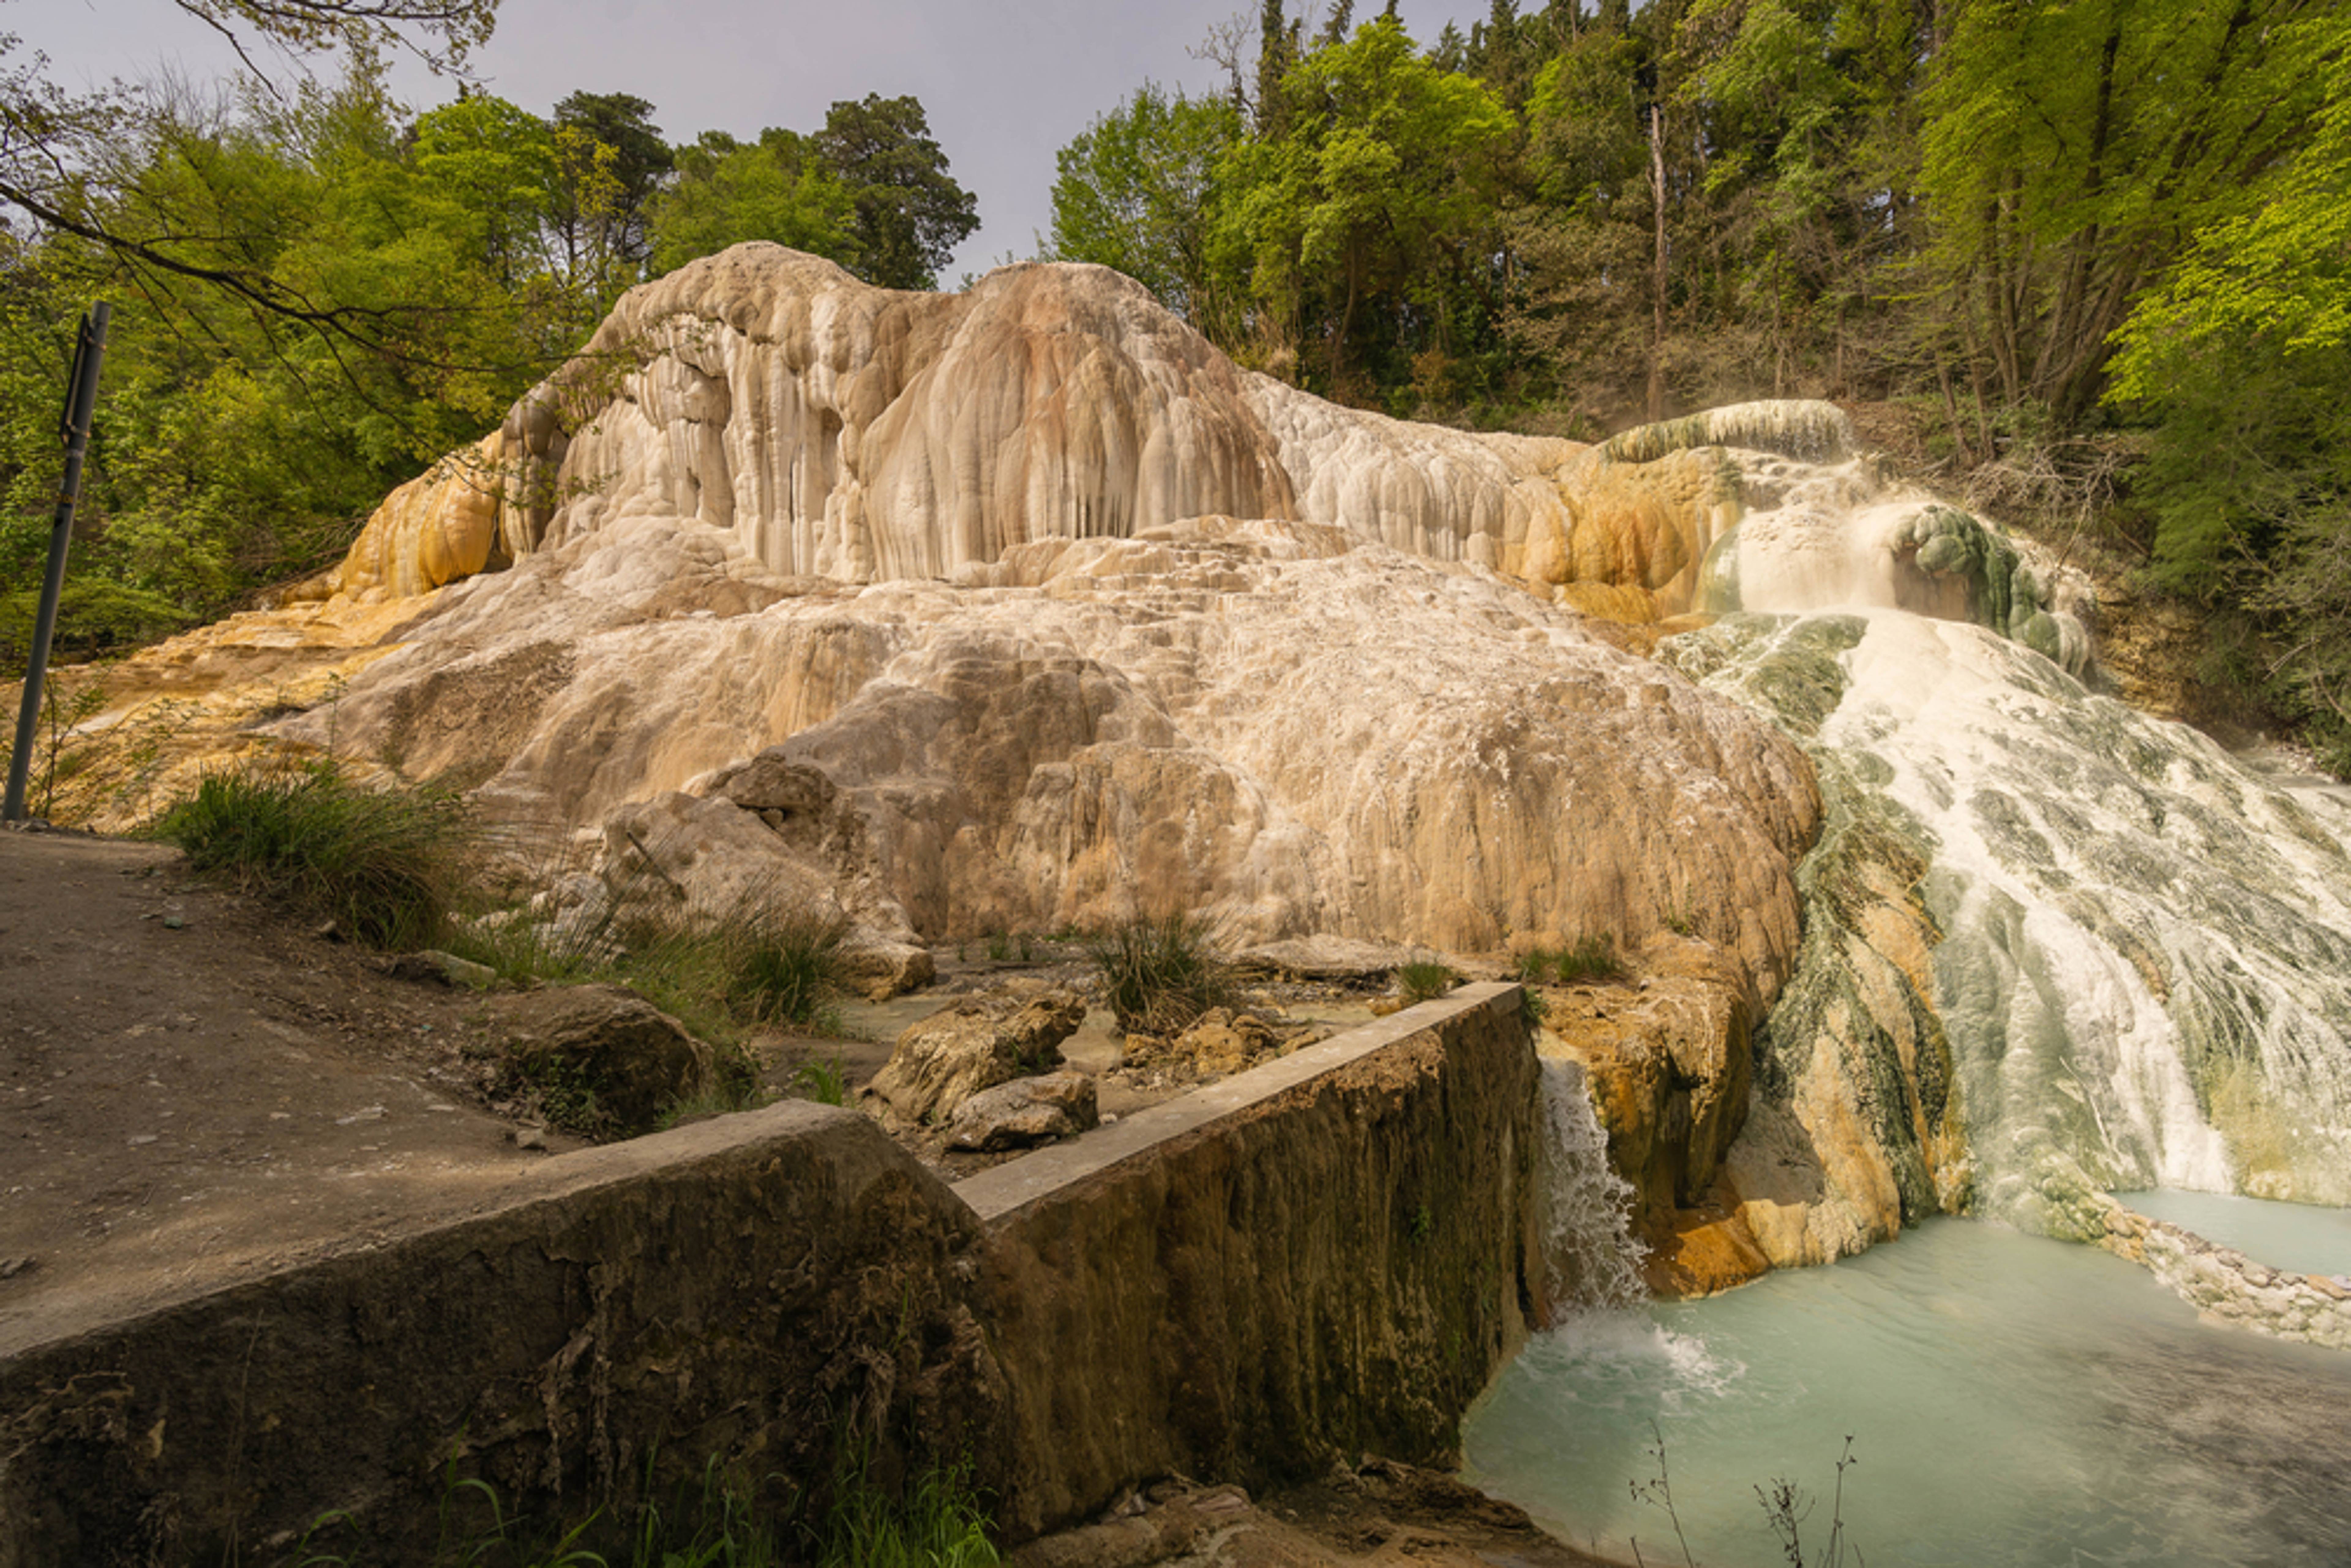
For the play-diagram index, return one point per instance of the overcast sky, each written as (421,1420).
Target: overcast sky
(1007,83)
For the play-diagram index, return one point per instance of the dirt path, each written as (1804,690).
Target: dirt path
(192,1091)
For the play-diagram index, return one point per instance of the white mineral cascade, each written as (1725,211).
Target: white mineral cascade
(2143,969)
(1592,1258)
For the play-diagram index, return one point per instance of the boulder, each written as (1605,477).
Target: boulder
(1023,1112)
(974,1044)
(602,1058)
(878,969)
(1344,959)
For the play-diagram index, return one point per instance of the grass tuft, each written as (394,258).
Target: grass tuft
(1588,960)
(384,864)
(1424,981)
(784,966)
(938,1524)
(1160,971)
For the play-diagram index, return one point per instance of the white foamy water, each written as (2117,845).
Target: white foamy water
(2145,947)
(1587,1241)
(2140,950)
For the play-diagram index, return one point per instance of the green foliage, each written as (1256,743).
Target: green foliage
(609,161)
(937,1523)
(94,615)
(726,191)
(1424,981)
(786,964)
(823,1078)
(1582,962)
(1159,972)
(2069,149)
(909,212)
(1372,202)
(1134,192)
(384,863)
(2278,269)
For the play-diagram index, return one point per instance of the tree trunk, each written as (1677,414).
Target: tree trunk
(1658,323)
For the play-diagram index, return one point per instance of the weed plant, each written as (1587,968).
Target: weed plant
(786,965)
(938,1524)
(1592,959)
(1423,981)
(385,865)
(1160,971)
(823,1078)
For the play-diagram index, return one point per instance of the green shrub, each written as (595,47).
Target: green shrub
(1160,971)
(1423,981)
(384,864)
(1591,958)
(823,1078)
(784,966)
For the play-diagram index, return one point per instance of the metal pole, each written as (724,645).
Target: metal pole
(90,348)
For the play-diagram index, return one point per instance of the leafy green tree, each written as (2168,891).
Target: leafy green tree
(1376,202)
(2072,149)
(1134,192)
(59,150)
(910,212)
(778,188)
(611,161)
(1581,315)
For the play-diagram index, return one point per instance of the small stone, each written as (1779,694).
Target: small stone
(433,964)
(530,1138)
(173,923)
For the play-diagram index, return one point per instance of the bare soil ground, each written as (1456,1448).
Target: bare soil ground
(193,1091)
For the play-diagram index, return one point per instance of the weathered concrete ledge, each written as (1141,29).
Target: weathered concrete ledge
(1329,1255)
(743,1287)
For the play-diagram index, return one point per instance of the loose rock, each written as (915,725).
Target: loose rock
(602,1058)
(1024,1113)
(977,1044)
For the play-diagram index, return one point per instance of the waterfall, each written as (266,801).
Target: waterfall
(2055,946)
(1588,1247)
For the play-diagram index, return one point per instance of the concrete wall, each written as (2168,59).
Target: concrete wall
(742,1287)
(1328,1255)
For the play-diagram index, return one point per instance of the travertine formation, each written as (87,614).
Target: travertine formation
(1052,614)
(1025,608)
(834,430)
